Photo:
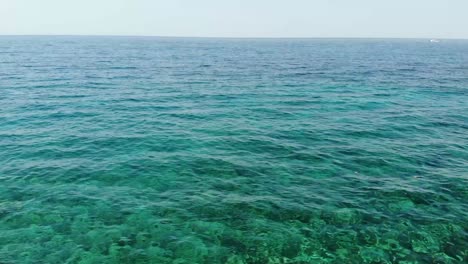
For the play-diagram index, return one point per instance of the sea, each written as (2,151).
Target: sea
(238,151)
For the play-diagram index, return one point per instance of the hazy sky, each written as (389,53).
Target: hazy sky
(238,18)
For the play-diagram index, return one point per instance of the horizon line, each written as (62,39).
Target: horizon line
(214,37)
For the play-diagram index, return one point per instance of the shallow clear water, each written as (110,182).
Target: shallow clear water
(159,150)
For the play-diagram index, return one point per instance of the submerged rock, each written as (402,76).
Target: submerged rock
(423,242)
(343,216)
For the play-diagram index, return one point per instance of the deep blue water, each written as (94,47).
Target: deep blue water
(166,150)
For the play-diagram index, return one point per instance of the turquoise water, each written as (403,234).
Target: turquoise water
(159,150)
